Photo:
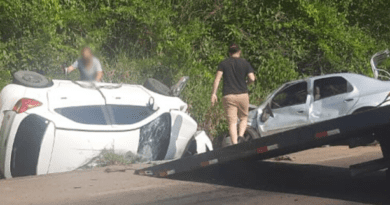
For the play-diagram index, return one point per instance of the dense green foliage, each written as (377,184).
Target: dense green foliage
(166,39)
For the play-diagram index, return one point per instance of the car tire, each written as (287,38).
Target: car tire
(31,79)
(251,134)
(156,86)
(190,149)
(222,141)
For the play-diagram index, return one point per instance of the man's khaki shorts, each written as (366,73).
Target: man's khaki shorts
(236,105)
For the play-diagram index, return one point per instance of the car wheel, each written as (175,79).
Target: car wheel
(222,141)
(31,79)
(156,86)
(251,134)
(191,149)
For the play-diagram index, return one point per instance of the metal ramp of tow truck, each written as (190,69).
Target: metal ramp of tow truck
(299,139)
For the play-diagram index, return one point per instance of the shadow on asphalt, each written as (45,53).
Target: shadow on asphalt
(310,180)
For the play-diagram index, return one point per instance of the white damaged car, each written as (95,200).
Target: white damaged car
(60,125)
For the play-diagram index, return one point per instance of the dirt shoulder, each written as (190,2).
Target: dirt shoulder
(100,182)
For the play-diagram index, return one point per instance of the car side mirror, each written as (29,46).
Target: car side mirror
(267,112)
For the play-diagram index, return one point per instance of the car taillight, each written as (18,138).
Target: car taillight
(24,104)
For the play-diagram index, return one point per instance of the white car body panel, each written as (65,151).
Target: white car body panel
(9,96)
(68,145)
(182,126)
(203,142)
(7,148)
(46,150)
(76,148)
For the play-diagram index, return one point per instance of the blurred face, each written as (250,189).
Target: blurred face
(86,54)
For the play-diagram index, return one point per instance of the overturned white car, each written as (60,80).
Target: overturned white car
(57,126)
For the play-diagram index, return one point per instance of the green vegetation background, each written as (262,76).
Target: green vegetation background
(166,39)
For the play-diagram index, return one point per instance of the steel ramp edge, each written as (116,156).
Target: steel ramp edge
(367,167)
(299,139)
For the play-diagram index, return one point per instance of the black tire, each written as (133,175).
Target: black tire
(222,141)
(251,134)
(156,86)
(31,79)
(191,148)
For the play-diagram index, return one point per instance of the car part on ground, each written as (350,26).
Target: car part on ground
(31,79)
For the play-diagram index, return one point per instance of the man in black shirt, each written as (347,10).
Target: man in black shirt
(234,71)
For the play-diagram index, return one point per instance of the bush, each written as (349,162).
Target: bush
(137,39)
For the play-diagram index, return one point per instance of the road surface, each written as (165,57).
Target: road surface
(318,176)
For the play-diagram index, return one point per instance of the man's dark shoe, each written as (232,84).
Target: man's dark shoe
(240,140)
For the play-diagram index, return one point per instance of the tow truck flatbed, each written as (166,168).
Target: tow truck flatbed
(376,120)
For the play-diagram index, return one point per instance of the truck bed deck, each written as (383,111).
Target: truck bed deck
(376,120)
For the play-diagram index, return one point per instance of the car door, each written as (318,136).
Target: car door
(289,107)
(4,135)
(333,97)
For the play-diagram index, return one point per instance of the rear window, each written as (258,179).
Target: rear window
(106,115)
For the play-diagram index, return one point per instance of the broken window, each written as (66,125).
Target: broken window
(328,87)
(291,95)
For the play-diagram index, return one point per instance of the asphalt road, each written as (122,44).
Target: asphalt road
(326,181)
(317,176)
